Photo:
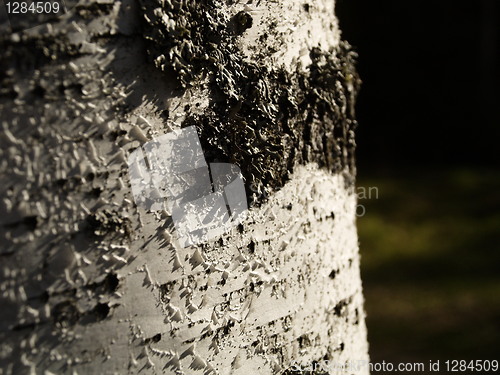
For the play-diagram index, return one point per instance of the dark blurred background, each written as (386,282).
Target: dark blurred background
(428,141)
(431,80)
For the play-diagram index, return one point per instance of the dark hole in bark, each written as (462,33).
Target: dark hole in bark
(61,182)
(251,247)
(101,311)
(242,21)
(156,338)
(65,314)
(31,222)
(44,297)
(111,282)
(39,92)
(341,308)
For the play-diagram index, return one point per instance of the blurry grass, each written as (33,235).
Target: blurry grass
(430,248)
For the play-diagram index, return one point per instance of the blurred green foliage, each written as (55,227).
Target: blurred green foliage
(430,247)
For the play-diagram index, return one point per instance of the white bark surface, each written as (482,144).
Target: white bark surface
(92,284)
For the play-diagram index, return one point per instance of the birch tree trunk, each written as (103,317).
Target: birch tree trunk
(92,283)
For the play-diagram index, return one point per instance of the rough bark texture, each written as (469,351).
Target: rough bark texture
(90,283)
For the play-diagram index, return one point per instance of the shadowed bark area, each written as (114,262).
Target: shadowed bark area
(95,284)
(263,115)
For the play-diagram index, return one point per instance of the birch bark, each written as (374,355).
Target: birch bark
(90,282)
